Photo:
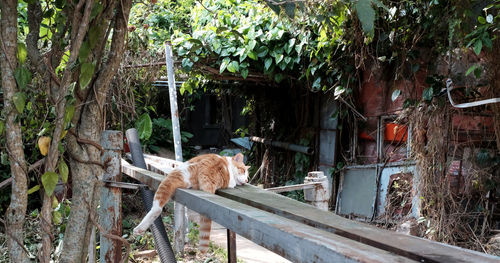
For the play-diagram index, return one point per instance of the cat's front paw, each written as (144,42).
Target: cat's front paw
(138,230)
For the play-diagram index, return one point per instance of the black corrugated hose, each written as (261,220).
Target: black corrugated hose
(162,243)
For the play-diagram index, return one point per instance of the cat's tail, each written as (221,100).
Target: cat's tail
(165,191)
(204,235)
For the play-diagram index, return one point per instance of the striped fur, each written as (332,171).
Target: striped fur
(207,172)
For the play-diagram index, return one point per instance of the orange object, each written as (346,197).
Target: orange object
(395,132)
(366,136)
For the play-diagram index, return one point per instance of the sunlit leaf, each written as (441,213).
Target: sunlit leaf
(33,189)
(224,64)
(233,67)
(49,182)
(22,52)
(144,126)
(2,127)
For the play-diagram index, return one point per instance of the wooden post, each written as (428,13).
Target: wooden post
(319,195)
(110,211)
(231,246)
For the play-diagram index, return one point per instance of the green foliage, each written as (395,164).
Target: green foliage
(144,126)
(49,182)
(244,37)
(162,135)
(19,100)
(86,73)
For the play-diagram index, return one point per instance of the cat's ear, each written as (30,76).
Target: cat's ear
(238,158)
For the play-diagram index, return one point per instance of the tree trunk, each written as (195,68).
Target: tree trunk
(17,209)
(85,172)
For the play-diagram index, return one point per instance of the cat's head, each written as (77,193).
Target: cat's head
(241,175)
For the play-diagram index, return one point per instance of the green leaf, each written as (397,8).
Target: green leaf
(221,29)
(233,66)
(56,217)
(224,64)
(2,127)
(22,52)
(68,114)
(244,73)
(49,182)
(268,63)
(478,46)
(63,171)
(481,20)
(279,77)
(93,35)
(471,69)
(34,189)
(487,41)
(317,84)
(279,57)
(187,64)
(428,94)
(395,94)
(366,15)
(144,126)
(84,52)
(252,55)
(86,73)
(251,44)
(60,4)
(290,9)
(19,100)
(23,77)
(262,51)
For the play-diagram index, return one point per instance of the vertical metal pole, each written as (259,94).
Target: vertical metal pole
(180,217)
(231,246)
(110,211)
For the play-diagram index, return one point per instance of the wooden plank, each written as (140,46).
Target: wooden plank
(290,239)
(419,249)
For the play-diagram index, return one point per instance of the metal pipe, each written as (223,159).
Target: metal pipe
(284,145)
(180,216)
(158,229)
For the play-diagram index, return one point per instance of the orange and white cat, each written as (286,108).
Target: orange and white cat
(208,173)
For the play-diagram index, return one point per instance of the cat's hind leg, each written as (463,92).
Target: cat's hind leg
(148,220)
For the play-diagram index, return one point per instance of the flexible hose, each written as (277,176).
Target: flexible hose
(162,243)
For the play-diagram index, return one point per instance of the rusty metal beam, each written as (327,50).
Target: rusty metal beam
(110,216)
